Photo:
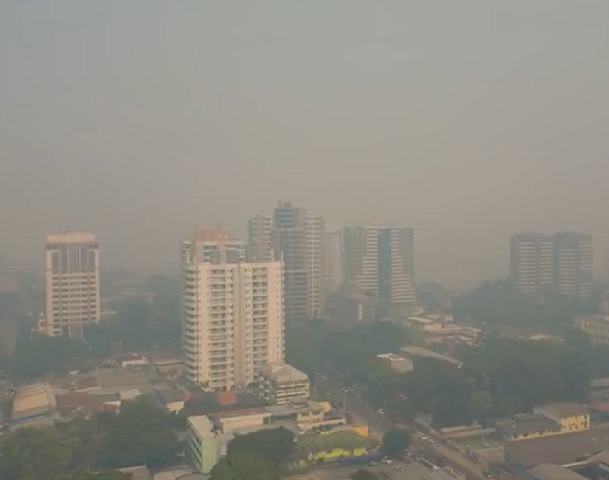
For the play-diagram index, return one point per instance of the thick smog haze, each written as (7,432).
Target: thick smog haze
(467,120)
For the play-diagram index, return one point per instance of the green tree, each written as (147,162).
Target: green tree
(141,433)
(395,441)
(273,446)
(481,404)
(578,339)
(33,454)
(37,355)
(363,474)
(244,466)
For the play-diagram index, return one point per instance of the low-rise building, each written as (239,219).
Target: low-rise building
(170,398)
(397,362)
(596,326)
(439,328)
(329,447)
(564,449)
(414,351)
(132,360)
(233,420)
(282,383)
(526,426)
(572,417)
(202,444)
(548,471)
(33,405)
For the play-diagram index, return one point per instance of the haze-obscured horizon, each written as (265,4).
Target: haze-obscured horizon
(466,120)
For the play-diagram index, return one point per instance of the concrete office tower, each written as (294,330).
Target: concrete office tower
(298,240)
(232,311)
(396,269)
(362,259)
(380,261)
(333,259)
(290,246)
(573,264)
(532,263)
(71,283)
(260,237)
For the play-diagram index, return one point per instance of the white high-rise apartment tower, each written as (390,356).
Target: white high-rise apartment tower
(232,311)
(260,237)
(315,252)
(71,284)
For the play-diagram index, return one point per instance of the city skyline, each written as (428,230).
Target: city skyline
(466,131)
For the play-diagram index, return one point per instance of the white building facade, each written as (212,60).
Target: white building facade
(71,284)
(232,312)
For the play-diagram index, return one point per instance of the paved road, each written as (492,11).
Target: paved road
(379,424)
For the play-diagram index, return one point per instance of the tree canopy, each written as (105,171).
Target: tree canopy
(501,376)
(37,355)
(244,466)
(255,456)
(363,474)
(273,445)
(500,304)
(140,434)
(395,441)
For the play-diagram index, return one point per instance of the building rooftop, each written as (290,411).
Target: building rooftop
(282,372)
(566,409)
(170,395)
(71,237)
(548,471)
(202,425)
(138,473)
(313,443)
(602,457)
(33,397)
(527,423)
(561,449)
(293,408)
(415,351)
(240,413)
(227,398)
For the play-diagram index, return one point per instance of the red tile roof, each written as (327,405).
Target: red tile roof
(226,398)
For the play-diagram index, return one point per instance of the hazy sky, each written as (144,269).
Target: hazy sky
(468,120)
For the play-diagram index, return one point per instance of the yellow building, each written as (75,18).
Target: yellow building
(359,428)
(528,425)
(546,420)
(572,417)
(331,446)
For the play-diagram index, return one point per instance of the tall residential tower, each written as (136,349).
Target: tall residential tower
(260,237)
(562,263)
(532,263)
(71,284)
(298,237)
(573,264)
(232,311)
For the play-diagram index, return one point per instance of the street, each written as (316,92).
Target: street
(378,424)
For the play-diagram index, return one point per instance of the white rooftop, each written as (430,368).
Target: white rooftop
(202,425)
